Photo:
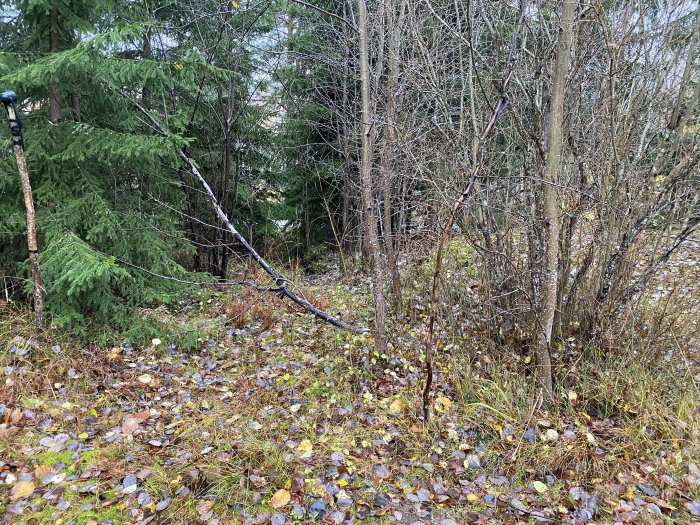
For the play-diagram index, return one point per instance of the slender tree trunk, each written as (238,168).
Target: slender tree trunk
(216,177)
(54,96)
(388,178)
(31,221)
(307,218)
(551,209)
(345,147)
(367,186)
(226,171)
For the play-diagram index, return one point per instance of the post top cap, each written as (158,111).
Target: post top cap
(8,97)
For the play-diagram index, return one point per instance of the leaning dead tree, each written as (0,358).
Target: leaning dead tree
(9,100)
(281,283)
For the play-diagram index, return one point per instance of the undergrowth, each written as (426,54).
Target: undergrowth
(300,392)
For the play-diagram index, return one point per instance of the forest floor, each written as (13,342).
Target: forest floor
(277,418)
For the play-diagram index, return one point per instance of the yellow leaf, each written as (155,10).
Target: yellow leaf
(471,498)
(23,489)
(305,447)
(445,402)
(83,435)
(234,4)
(398,407)
(342,483)
(528,359)
(280,498)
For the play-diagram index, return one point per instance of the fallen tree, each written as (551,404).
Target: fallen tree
(281,283)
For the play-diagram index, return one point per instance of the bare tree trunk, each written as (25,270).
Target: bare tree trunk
(388,178)
(551,209)
(29,208)
(367,186)
(349,244)
(307,218)
(54,96)
(226,171)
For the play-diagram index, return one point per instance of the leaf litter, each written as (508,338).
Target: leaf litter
(296,423)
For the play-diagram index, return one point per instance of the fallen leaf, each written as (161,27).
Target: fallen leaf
(442,403)
(204,509)
(146,379)
(14,416)
(297,482)
(539,487)
(398,407)
(130,425)
(305,447)
(280,498)
(41,471)
(23,489)
(694,508)
(552,435)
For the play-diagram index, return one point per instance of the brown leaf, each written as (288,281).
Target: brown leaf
(15,416)
(297,482)
(23,489)
(41,470)
(130,425)
(280,498)
(398,407)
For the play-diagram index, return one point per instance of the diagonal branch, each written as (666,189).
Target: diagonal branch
(281,283)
